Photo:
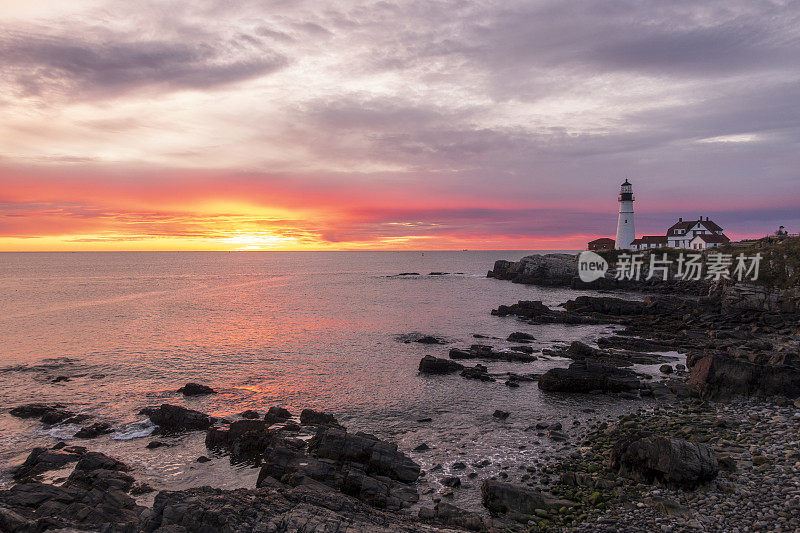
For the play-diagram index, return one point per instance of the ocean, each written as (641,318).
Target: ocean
(110,333)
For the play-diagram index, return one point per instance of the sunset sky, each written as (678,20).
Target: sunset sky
(233,124)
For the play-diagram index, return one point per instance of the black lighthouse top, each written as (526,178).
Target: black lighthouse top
(626,192)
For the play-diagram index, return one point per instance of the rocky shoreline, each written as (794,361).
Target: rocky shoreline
(719,452)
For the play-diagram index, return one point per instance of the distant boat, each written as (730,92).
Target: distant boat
(465,250)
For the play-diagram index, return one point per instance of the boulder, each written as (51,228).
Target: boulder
(249,414)
(518,336)
(517,501)
(273,509)
(277,414)
(665,369)
(452,516)
(176,418)
(434,365)
(502,415)
(196,389)
(379,457)
(552,270)
(673,461)
(41,460)
(48,413)
(94,431)
(317,418)
(585,376)
(92,498)
(722,376)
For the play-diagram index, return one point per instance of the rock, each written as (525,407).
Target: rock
(247,441)
(422,447)
(665,369)
(451,481)
(378,456)
(48,413)
(94,431)
(249,414)
(196,389)
(203,459)
(585,376)
(452,516)
(175,418)
(41,460)
(479,372)
(502,415)
(268,509)
(521,337)
(277,414)
(430,339)
(517,501)
(552,270)
(435,365)
(722,376)
(511,382)
(317,418)
(152,445)
(92,498)
(669,460)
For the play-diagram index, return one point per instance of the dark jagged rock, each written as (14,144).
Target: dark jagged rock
(48,413)
(92,498)
(42,460)
(278,510)
(666,459)
(633,343)
(482,351)
(502,415)
(519,336)
(176,418)
(479,372)
(196,389)
(535,312)
(317,418)
(721,376)
(277,414)
(94,431)
(452,516)
(435,365)
(249,414)
(379,457)
(517,502)
(247,441)
(553,270)
(665,369)
(586,376)
(430,339)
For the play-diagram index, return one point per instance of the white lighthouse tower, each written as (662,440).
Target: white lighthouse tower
(625,231)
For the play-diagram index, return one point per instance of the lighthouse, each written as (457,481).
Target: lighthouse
(625,231)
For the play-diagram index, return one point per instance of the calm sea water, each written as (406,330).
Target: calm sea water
(299,329)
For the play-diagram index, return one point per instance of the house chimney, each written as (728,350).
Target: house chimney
(680,219)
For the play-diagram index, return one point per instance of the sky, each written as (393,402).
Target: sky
(350,125)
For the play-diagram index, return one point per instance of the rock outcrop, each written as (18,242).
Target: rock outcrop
(176,418)
(434,365)
(94,497)
(587,376)
(517,502)
(196,389)
(670,460)
(553,270)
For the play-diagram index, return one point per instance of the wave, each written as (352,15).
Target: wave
(134,430)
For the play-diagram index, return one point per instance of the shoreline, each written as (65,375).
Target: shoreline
(603,508)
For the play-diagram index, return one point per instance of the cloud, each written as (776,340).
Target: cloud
(81,67)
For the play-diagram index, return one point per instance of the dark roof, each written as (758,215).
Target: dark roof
(686,224)
(602,240)
(713,237)
(651,239)
(626,182)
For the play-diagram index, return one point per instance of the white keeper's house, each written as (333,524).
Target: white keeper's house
(697,234)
